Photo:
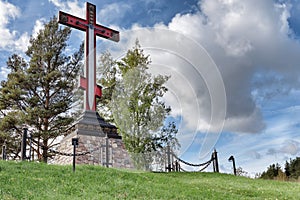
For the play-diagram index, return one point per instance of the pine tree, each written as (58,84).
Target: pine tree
(40,93)
(274,171)
(295,168)
(287,169)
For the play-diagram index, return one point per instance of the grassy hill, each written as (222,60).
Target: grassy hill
(24,180)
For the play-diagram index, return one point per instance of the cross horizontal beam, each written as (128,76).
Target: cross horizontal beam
(81,24)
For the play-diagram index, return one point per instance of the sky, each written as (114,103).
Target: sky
(234,67)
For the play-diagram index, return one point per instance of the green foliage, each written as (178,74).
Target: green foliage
(287,169)
(26,180)
(108,73)
(272,172)
(292,168)
(132,99)
(291,171)
(40,93)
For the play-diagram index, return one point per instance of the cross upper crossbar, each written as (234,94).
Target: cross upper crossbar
(92,29)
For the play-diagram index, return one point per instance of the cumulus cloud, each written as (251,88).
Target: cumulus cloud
(261,27)
(244,38)
(8,12)
(12,40)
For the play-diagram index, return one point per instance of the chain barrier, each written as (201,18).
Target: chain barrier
(190,164)
(207,164)
(68,154)
(71,154)
(205,167)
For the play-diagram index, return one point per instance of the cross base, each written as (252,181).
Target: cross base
(118,155)
(91,123)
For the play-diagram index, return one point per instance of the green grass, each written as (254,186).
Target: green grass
(24,180)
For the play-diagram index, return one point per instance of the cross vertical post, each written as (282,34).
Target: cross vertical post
(92,29)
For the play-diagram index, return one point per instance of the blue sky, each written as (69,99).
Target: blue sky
(234,67)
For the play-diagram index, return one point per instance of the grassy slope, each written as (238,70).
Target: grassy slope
(39,181)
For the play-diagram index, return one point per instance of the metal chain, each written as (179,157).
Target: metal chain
(68,154)
(181,169)
(205,167)
(191,164)
(71,154)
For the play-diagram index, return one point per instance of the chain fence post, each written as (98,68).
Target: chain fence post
(75,144)
(177,166)
(4,151)
(231,158)
(215,161)
(169,158)
(106,151)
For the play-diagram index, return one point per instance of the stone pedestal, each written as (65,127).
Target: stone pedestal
(98,143)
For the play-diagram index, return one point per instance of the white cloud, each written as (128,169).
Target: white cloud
(244,37)
(73,7)
(106,15)
(12,40)
(4,71)
(8,12)
(39,24)
(21,43)
(113,11)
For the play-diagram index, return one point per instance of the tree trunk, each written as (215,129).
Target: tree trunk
(45,150)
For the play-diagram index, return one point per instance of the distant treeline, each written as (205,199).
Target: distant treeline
(291,171)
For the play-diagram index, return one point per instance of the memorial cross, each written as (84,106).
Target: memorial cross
(92,29)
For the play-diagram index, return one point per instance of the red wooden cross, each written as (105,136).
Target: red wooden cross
(92,29)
